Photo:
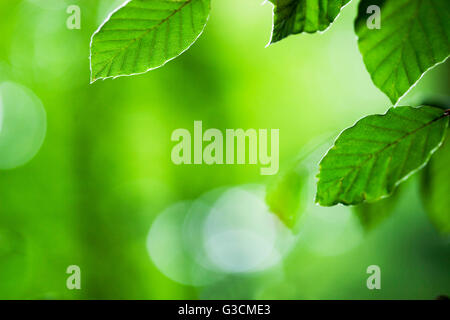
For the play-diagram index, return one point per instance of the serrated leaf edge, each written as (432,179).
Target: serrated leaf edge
(430,154)
(395,103)
(92,80)
(319,31)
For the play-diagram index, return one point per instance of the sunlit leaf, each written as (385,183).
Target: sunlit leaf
(144,35)
(436,188)
(297,16)
(414,36)
(371,158)
(284,195)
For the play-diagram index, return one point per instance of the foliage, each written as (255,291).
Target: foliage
(371,158)
(413,38)
(144,35)
(371,215)
(368,160)
(297,16)
(284,195)
(436,188)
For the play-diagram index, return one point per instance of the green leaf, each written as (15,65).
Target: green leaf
(284,195)
(371,158)
(436,188)
(297,16)
(371,215)
(145,34)
(414,36)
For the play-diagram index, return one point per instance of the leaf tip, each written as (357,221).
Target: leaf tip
(93,79)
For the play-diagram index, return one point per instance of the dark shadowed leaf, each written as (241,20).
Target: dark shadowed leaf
(144,35)
(371,215)
(414,36)
(297,16)
(371,158)
(436,188)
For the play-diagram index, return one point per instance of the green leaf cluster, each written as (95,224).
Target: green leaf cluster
(142,35)
(369,160)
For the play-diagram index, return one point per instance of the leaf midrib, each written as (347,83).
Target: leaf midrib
(372,155)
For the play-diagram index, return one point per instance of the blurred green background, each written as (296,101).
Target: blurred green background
(100,191)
